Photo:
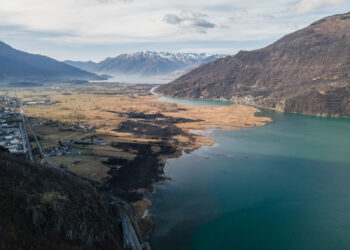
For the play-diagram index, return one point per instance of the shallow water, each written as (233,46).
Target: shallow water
(282,186)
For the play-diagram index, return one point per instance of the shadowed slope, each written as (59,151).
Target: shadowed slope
(44,208)
(19,65)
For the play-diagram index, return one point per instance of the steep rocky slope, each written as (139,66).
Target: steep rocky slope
(44,208)
(307,71)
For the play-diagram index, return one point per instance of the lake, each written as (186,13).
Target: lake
(285,185)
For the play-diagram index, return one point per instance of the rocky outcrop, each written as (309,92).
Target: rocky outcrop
(307,71)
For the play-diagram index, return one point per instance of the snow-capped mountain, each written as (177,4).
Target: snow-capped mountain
(147,64)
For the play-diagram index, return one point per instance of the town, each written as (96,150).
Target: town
(13,134)
(15,138)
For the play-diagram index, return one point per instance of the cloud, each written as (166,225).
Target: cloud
(306,6)
(110,1)
(190,20)
(172,19)
(116,24)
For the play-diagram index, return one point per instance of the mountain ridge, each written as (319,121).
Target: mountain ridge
(16,65)
(146,63)
(306,71)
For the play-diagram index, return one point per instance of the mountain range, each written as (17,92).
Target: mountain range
(17,65)
(307,71)
(146,64)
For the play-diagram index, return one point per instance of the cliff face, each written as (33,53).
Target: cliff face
(307,71)
(43,208)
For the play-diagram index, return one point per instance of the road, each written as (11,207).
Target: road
(30,153)
(130,237)
(43,156)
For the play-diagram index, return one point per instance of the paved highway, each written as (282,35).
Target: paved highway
(130,237)
(30,153)
(43,156)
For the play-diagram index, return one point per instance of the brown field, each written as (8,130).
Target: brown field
(105,111)
(109,109)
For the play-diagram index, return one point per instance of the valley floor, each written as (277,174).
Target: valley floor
(119,136)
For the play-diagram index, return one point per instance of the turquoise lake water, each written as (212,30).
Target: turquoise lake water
(282,186)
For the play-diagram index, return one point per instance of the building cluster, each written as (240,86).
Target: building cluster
(88,128)
(12,134)
(65,148)
(49,123)
(39,102)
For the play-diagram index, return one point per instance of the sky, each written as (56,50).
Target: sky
(96,29)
